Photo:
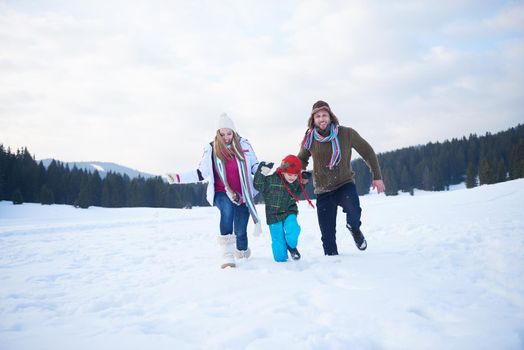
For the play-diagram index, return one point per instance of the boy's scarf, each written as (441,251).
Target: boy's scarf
(333,137)
(246,195)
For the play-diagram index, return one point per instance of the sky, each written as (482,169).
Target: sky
(142,83)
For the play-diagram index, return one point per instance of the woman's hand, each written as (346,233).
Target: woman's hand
(172,178)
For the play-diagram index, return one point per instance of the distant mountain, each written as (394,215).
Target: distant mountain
(103,168)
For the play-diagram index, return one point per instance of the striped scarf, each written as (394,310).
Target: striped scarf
(247,194)
(333,137)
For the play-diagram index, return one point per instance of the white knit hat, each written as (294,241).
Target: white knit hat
(224,122)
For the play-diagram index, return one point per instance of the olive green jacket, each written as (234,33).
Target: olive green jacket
(279,203)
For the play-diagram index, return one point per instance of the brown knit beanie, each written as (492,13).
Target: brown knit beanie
(318,105)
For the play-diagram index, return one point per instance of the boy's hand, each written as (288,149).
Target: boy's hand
(265,168)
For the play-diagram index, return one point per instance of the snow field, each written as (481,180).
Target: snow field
(442,270)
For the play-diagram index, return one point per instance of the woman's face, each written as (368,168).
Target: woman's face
(322,119)
(227,135)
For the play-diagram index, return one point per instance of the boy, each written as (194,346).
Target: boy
(280,191)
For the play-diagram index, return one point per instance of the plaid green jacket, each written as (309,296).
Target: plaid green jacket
(279,203)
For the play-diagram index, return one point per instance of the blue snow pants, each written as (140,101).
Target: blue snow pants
(284,233)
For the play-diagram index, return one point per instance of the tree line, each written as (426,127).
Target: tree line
(23,179)
(475,160)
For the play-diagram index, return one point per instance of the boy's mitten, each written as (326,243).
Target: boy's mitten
(265,168)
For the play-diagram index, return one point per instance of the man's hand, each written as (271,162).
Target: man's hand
(379,185)
(306,175)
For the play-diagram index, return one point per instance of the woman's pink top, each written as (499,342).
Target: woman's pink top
(232,176)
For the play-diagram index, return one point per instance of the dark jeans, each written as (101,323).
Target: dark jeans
(233,218)
(327,206)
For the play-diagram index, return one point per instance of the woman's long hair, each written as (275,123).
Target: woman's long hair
(223,152)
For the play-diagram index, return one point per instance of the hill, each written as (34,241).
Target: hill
(103,168)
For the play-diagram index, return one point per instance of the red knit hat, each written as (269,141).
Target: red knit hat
(291,165)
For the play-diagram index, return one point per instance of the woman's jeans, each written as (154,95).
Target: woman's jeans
(345,196)
(233,218)
(283,234)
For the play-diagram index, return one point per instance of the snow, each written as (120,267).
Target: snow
(98,167)
(443,270)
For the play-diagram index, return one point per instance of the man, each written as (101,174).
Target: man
(330,145)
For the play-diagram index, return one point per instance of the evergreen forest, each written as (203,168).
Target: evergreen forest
(476,160)
(22,179)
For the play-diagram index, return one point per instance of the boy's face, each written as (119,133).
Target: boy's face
(290,177)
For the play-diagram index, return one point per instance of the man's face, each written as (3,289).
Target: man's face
(322,119)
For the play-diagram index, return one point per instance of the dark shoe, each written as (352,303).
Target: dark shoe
(358,237)
(295,255)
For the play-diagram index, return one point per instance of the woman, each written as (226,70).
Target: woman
(228,164)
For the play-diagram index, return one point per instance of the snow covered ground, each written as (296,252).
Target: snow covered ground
(442,271)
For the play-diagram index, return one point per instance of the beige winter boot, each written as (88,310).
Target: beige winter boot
(242,254)
(227,245)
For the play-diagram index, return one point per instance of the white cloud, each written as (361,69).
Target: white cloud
(142,83)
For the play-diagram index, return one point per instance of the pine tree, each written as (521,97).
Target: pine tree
(471,176)
(41,179)
(46,195)
(95,189)
(105,200)
(406,184)
(486,172)
(14,177)
(135,195)
(84,196)
(17,197)
(391,183)
(362,176)
(501,174)
(427,180)
(517,160)
(28,172)
(74,178)
(3,175)
(53,178)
